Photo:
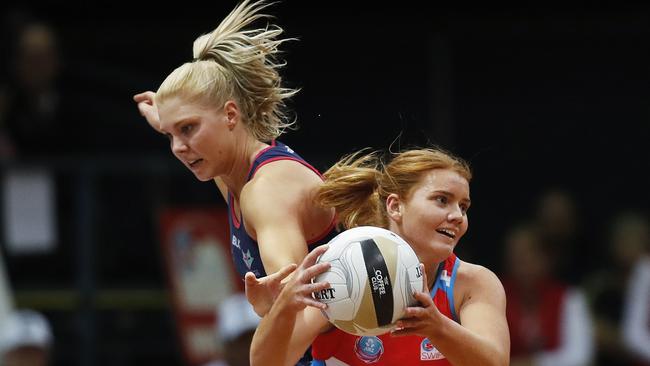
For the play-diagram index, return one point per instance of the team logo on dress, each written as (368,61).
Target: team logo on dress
(248,259)
(235,242)
(428,352)
(368,349)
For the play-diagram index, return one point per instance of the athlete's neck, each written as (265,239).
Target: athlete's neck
(244,157)
(432,271)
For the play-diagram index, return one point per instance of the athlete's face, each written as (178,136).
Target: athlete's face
(434,216)
(199,136)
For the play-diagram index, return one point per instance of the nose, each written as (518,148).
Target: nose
(455,214)
(178,146)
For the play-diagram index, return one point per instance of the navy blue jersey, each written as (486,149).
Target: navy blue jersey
(245,251)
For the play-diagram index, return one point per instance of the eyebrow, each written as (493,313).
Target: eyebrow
(447,193)
(183,120)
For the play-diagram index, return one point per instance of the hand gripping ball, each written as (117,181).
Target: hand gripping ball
(372,278)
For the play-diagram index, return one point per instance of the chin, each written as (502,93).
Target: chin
(444,248)
(203,178)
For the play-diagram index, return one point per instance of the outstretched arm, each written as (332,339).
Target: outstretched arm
(294,320)
(280,213)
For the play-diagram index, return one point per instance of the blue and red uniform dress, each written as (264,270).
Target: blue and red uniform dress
(337,348)
(245,251)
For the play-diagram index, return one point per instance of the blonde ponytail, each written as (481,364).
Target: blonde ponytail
(241,64)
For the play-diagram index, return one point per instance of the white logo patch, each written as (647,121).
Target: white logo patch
(428,352)
(235,242)
(444,276)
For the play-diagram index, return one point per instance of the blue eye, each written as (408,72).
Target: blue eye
(441,199)
(187,129)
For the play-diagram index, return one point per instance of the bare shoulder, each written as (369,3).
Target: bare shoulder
(474,272)
(288,172)
(474,281)
(282,183)
(284,191)
(271,186)
(282,186)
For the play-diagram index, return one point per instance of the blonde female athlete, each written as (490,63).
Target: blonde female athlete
(422,195)
(222,112)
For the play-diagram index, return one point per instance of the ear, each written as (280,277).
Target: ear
(232,113)
(394,207)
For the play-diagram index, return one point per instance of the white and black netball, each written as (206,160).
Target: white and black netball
(372,278)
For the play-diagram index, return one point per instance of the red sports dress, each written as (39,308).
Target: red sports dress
(335,347)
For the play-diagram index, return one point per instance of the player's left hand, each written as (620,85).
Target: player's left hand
(297,293)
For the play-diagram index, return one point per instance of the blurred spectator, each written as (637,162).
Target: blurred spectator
(549,321)
(6,296)
(619,279)
(35,119)
(636,322)
(559,226)
(25,339)
(237,322)
(636,308)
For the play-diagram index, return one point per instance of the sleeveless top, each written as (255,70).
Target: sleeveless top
(245,251)
(338,348)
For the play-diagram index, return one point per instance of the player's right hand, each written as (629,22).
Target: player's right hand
(262,292)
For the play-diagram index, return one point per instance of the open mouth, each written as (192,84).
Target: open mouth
(195,162)
(448,233)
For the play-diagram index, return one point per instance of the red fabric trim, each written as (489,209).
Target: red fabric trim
(325,233)
(286,158)
(258,155)
(235,220)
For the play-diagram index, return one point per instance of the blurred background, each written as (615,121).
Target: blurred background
(550,107)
